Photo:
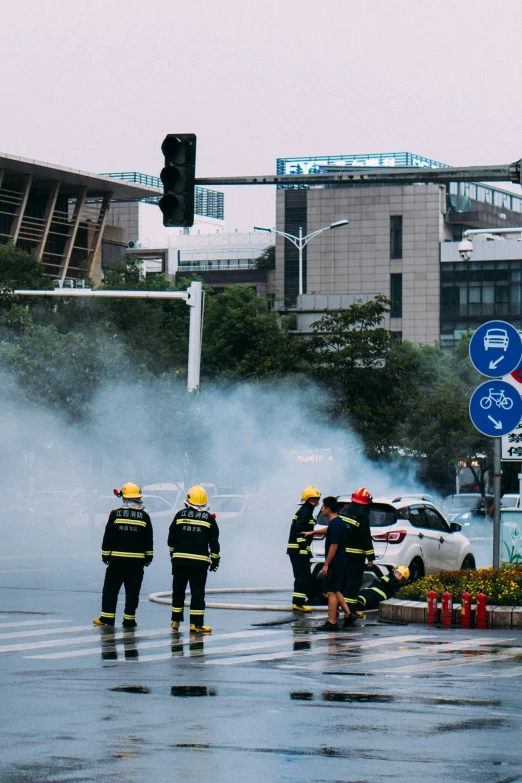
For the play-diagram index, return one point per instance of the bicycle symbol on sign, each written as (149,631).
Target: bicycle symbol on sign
(499,398)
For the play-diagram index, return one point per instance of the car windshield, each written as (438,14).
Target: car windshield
(226,504)
(462,501)
(381,516)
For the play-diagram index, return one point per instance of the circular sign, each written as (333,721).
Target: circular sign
(495,408)
(495,349)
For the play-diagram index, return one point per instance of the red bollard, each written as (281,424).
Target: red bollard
(481,617)
(433,612)
(447,609)
(465,611)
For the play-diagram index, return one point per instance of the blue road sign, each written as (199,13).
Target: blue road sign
(495,408)
(495,349)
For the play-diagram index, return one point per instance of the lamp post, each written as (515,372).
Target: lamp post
(300,241)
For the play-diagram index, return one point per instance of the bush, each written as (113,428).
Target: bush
(502,587)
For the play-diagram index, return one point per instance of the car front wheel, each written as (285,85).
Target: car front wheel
(468,563)
(416,569)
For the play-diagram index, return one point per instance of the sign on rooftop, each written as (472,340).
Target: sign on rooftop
(313,165)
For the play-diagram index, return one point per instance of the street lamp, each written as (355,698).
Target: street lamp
(300,241)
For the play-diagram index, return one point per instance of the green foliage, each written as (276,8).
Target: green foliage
(267,259)
(19,269)
(502,587)
(242,339)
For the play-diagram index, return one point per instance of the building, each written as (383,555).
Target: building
(77,222)
(392,246)
(220,259)
(61,214)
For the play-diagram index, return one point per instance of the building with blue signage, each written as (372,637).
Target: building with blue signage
(402,241)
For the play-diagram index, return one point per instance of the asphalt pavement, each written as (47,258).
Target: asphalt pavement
(263,698)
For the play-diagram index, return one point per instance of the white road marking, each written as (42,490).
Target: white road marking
(31,623)
(317,648)
(44,632)
(364,660)
(516,671)
(139,645)
(460,661)
(23,570)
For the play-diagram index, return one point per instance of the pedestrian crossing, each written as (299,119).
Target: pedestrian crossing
(294,648)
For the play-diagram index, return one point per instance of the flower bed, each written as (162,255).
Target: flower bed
(502,587)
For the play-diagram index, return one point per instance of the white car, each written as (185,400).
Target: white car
(159,510)
(496,338)
(411,531)
(230,507)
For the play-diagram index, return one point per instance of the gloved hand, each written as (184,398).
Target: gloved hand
(106,560)
(148,561)
(214,565)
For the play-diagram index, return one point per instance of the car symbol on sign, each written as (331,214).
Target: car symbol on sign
(496,338)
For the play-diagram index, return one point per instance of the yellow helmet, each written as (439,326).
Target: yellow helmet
(130,490)
(404,571)
(196,496)
(310,492)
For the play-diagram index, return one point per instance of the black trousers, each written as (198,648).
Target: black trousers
(354,578)
(368,599)
(302,578)
(122,571)
(196,577)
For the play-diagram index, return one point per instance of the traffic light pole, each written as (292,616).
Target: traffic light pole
(193,297)
(381,175)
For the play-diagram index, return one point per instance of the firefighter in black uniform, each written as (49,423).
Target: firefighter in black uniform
(127,547)
(381,589)
(359,546)
(194,549)
(299,550)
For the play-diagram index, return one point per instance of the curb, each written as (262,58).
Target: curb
(417,612)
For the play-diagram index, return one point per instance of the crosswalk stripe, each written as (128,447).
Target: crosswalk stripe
(301,653)
(216,650)
(515,671)
(44,632)
(464,661)
(365,660)
(368,645)
(138,645)
(31,623)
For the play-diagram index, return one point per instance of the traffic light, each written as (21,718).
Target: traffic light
(177,177)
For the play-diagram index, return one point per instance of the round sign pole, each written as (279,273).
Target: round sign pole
(497,474)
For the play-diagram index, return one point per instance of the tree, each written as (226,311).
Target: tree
(242,339)
(19,269)
(267,259)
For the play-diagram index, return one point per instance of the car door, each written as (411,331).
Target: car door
(448,546)
(427,538)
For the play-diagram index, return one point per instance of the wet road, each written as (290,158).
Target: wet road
(263,698)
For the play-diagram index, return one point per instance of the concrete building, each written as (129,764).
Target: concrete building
(61,214)
(78,222)
(220,259)
(392,245)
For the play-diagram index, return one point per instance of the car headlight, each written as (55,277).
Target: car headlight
(465,516)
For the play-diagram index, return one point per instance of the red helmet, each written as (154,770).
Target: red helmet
(362,496)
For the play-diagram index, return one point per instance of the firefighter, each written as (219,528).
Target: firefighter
(126,548)
(359,546)
(299,550)
(380,589)
(194,550)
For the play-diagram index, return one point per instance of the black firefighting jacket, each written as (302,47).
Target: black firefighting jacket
(303,520)
(194,539)
(359,538)
(379,590)
(128,534)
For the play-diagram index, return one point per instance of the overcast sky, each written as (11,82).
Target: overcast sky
(97,85)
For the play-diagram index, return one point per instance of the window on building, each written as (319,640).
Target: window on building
(396,236)
(396,295)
